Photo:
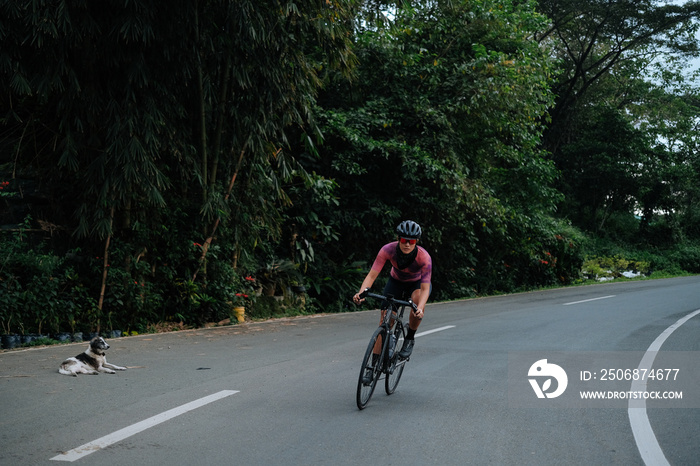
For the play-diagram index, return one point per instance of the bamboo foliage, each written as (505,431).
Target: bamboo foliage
(157,156)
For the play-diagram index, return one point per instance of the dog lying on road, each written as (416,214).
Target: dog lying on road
(91,361)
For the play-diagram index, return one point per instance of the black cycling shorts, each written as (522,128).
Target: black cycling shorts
(401,290)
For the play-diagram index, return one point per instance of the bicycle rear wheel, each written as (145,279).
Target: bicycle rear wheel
(371,364)
(396,365)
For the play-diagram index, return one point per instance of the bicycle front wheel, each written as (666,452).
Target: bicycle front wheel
(396,365)
(370,371)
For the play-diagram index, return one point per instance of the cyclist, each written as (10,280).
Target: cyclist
(410,276)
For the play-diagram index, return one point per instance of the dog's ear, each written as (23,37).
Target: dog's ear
(100,343)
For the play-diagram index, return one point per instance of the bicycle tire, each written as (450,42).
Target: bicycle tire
(364,392)
(395,365)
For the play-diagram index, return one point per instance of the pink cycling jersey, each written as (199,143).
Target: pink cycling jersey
(421,268)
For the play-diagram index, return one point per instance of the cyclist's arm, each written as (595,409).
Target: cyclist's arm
(367,283)
(377,266)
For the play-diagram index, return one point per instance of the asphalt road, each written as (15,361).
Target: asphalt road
(285,390)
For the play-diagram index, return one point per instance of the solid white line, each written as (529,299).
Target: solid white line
(587,300)
(120,435)
(647,444)
(428,332)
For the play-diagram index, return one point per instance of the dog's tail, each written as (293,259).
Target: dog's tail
(63,371)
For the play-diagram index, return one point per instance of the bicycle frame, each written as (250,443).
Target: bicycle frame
(390,367)
(392,314)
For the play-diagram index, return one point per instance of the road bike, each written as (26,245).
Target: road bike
(382,355)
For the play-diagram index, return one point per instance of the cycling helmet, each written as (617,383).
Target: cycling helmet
(409,229)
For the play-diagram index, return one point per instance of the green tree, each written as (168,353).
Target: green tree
(441,119)
(600,166)
(619,113)
(669,176)
(594,39)
(137,118)
(113,97)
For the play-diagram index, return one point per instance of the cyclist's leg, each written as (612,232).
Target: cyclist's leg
(378,344)
(413,321)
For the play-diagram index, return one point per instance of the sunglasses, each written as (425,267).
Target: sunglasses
(406,240)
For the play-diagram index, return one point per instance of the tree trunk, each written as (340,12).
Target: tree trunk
(202,108)
(207,242)
(105,267)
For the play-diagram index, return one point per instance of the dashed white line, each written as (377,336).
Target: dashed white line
(587,300)
(428,332)
(647,444)
(134,429)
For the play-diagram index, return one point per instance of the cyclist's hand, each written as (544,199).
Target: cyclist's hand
(360,296)
(418,313)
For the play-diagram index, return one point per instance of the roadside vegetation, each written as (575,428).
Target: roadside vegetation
(162,164)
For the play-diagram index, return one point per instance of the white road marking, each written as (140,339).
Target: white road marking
(587,300)
(647,444)
(134,429)
(428,332)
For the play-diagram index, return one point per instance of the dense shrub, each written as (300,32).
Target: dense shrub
(39,291)
(547,254)
(598,267)
(687,257)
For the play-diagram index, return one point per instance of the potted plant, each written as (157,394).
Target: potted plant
(238,306)
(242,298)
(277,275)
(8,340)
(93,317)
(8,306)
(74,336)
(297,287)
